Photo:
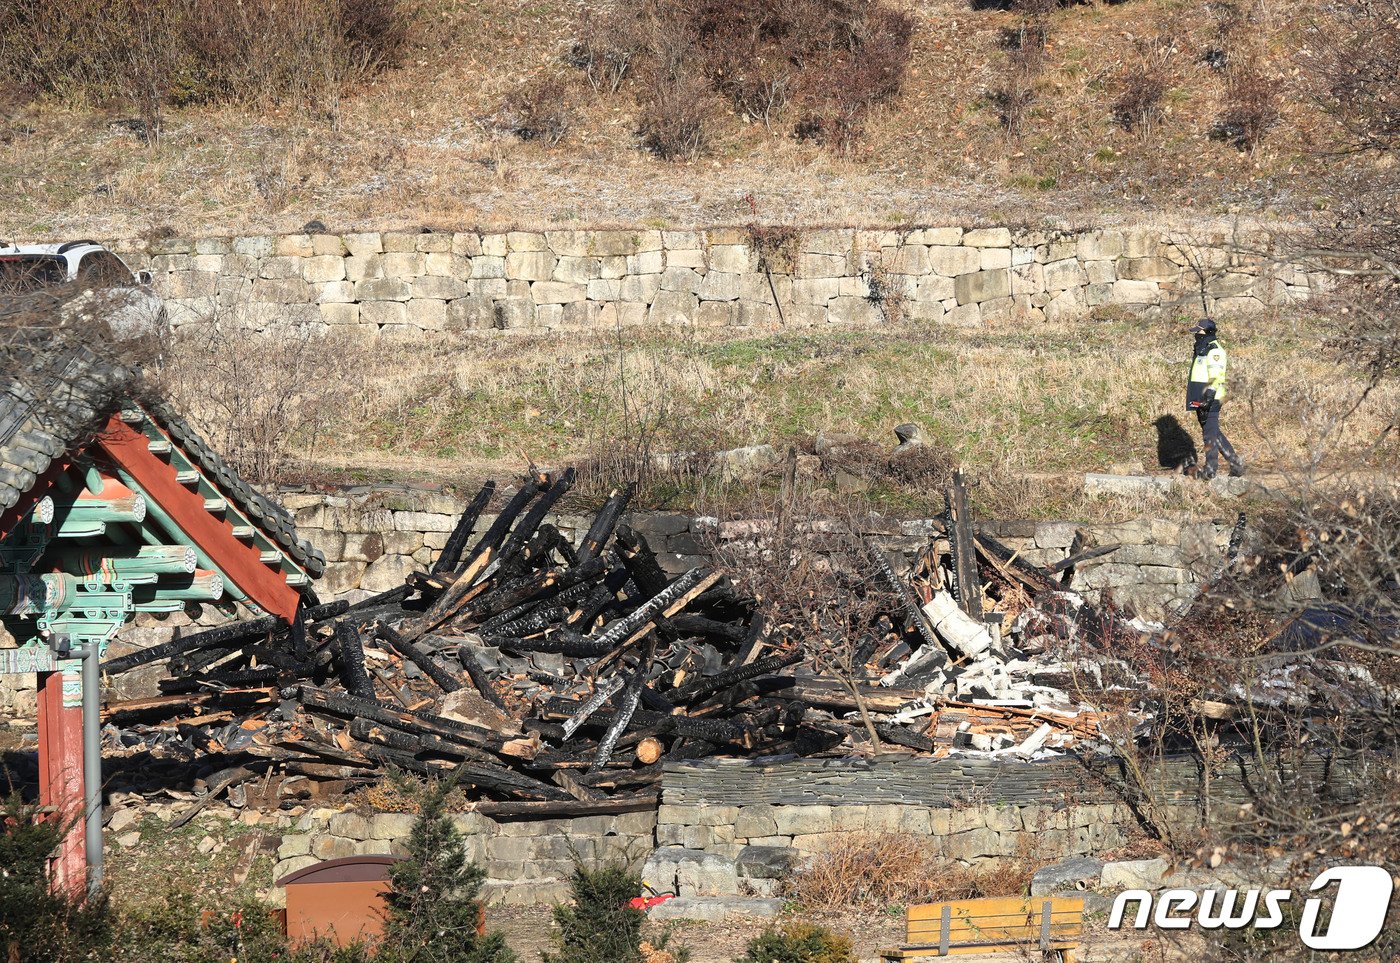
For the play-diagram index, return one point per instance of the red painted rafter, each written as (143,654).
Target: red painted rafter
(242,564)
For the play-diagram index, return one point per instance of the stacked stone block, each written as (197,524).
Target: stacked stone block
(415,286)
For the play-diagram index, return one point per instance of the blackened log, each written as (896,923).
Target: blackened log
(537,621)
(640,561)
(696,727)
(554,595)
(739,673)
(626,707)
(226,636)
(913,613)
(535,516)
(1075,545)
(1037,579)
(967,586)
(477,560)
(506,781)
(480,680)
(350,707)
(380,734)
(506,596)
(451,553)
(244,678)
(903,736)
(688,624)
(350,661)
(605,691)
(501,811)
(604,523)
(419,656)
(407,761)
(391,596)
(494,535)
(297,636)
(574,583)
(388,612)
(810,740)
(830,694)
(593,606)
(1067,565)
(618,630)
(560,640)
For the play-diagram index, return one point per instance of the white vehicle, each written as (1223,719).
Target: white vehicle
(91,283)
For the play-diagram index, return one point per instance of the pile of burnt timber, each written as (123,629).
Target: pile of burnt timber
(556,679)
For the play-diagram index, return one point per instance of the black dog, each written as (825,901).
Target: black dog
(1176,449)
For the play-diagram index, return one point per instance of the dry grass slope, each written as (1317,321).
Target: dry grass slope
(425,143)
(1021,406)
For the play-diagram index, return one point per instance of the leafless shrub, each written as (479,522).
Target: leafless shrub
(871,870)
(675,123)
(1352,61)
(193,51)
(1144,83)
(606,47)
(1025,62)
(833,62)
(262,400)
(1250,107)
(541,110)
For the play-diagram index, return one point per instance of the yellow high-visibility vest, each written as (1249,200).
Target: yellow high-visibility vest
(1208,372)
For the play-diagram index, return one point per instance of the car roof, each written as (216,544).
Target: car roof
(66,248)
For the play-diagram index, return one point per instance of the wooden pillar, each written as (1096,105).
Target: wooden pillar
(61,779)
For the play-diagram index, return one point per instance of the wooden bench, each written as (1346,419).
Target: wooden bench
(983,926)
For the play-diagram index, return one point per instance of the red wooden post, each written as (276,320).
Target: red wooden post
(61,778)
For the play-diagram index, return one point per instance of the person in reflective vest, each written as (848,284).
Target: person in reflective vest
(1205,391)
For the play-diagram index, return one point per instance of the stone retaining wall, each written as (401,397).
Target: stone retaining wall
(526,861)
(420,286)
(729,833)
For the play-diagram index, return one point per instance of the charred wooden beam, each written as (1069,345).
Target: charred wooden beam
(556,640)
(605,691)
(478,559)
(350,661)
(224,635)
(451,553)
(967,587)
(1067,565)
(391,596)
(626,708)
(689,624)
(1036,579)
(477,673)
(604,523)
(731,676)
(904,736)
(536,515)
(640,561)
(620,629)
(419,656)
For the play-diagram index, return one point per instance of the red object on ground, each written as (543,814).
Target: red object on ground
(645,903)
(61,779)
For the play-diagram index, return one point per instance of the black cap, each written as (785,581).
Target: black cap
(1205,326)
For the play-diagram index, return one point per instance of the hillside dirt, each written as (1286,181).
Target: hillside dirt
(426,143)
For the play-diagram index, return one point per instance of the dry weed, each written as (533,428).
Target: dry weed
(897,869)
